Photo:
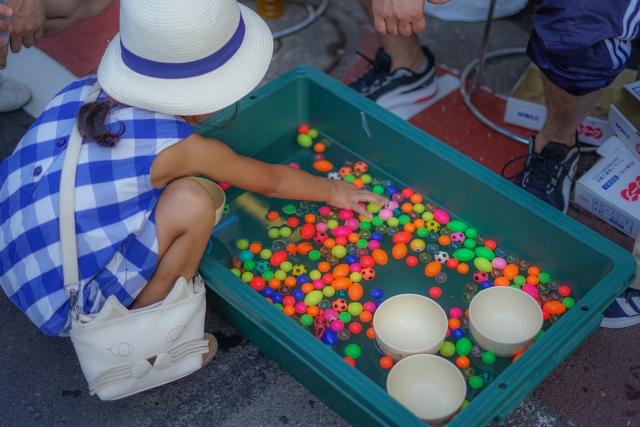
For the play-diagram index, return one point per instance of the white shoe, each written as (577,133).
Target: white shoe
(13,95)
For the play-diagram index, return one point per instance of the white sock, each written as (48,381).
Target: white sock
(423,67)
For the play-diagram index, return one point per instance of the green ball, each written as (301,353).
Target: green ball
(376,221)
(568,302)
(314,274)
(278,306)
(378,189)
(447,349)
(516,286)
(349,178)
(306,320)
(289,209)
(355,308)
(366,178)
(339,251)
(353,351)
(482,264)
(464,404)
(247,276)
(418,208)
(488,357)
(313,133)
(268,275)
(539,335)
(236,271)
(393,222)
(373,208)
(463,346)
(328,291)
(286,266)
(280,275)
(469,243)
(362,243)
(471,233)
(544,277)
(285,231)
(314,255)
(355,277)
(422,232)
(345,317)
(519,280)
(457,225)
(403,219)
(304,140)
(242,244)
(475,382)
(332,223)
(273,232)
(266,253)
(365,225)
(427,216)
(249,265)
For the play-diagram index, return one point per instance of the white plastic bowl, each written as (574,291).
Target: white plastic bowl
(429,386)
(219,197)
(409,324)
(504,320)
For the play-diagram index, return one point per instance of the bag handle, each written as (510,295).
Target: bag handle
(67,207)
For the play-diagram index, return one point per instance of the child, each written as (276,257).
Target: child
(141,222)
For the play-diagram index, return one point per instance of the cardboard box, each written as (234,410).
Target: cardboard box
(526,106)
(624,115)
(611,188)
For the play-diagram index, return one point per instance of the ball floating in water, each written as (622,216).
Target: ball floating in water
(322,165)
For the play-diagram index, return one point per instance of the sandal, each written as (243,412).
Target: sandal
(213,349)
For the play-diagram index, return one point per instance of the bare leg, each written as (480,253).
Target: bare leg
(405,52)
(62,14)
(565,112)
(185,215)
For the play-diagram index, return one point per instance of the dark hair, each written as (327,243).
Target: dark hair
(92,123)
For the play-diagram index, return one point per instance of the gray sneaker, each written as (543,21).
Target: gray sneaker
(13,95)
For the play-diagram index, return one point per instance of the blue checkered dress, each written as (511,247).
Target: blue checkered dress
(115,201)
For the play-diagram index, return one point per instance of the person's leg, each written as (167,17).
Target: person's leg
(185,215)
(405,52)
(61,14)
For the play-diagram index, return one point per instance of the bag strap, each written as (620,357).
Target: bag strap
(68,239)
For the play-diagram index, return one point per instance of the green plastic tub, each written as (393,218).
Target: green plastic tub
(264,128)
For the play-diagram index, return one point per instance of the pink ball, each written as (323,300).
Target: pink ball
(352,224)
(446,335)
(341,231)
(355,268)
(321,227)
(301,308)
(369,306)
(224,185)
(385,214)
(392,205)
(330,315)
(337,325)
(441,216)
(531,290)
(324,211)
(373,245)
(294,165)
(455,313)
(498,262)
(318,284)
(318,156)
(345,214)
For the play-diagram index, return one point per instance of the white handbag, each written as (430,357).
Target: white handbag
(121,351)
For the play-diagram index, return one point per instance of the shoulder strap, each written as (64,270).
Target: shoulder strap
(68,240)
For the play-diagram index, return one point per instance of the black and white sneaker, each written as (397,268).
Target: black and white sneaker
(548,175)
(402,87)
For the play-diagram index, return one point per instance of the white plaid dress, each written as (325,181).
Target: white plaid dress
(115,202)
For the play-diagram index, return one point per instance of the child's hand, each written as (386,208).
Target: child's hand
(347,196)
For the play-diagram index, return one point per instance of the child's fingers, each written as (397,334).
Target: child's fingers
(367,196)
(359,209)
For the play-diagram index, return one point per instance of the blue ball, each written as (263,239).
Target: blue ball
(245,255)
(457,333)
(267,292)
(376,236)
(378,303)
(486,284)
(330,337)
(391,190)
(376,293)
(277,297)
(302,279)
(351,259)
(297,294)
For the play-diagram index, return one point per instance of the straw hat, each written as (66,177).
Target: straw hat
(186,57)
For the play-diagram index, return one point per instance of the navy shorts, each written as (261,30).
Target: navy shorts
(582,45)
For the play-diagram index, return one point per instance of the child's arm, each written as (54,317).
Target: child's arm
(197,155)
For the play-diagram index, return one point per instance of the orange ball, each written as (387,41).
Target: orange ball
(462,362)
(350,361)
(289,310)
(324,266)
(409,228)
(533,280)
(358,182)
(341,283)
(510,271)
(466,313)
(406,207)
(418,223)
(319,147)
(371,334)
(341,241)
(366,317)
(380,256)
(415,198)
(533,271)
(255,248)
(444,240)
(310,218)
(341,270)
(454,323)
(306,288)
(290,282)
(386,362)
(452,263)
(501,281)
(353,238)
(554,307)
(269,300)
(399,251)
(313,311)
(273,216)
(432,268)
(329,243)
(462,268)
(516,357)
(275,283)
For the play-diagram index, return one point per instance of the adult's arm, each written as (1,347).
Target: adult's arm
(27,25)
(403,17)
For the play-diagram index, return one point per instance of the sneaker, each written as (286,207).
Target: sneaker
(548,175)
(13,95)
(402,87)
(624,311)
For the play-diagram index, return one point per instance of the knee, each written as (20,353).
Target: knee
(91,8)
(193,202)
